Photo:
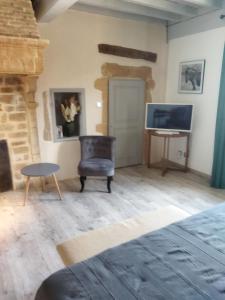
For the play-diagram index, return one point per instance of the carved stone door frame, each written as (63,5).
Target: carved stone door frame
(110,70)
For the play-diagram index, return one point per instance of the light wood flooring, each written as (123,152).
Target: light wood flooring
(28,235)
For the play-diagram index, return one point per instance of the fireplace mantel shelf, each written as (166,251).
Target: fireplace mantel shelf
(21,56)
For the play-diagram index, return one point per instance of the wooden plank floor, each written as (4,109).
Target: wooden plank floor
(28,235)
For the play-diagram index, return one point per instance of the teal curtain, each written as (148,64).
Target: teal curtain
(218,172)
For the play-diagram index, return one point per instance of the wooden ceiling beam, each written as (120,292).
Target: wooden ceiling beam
(166,6)
(48,10)
(206,3)
(130,8)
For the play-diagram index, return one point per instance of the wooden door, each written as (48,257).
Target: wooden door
(126,119)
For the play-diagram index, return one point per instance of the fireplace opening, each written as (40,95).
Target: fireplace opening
(5,170)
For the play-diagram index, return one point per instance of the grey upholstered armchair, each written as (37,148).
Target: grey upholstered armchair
(97,158)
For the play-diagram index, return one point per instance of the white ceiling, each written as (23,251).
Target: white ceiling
(157,10)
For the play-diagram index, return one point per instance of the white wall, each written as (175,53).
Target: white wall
(207,45)
(72,61)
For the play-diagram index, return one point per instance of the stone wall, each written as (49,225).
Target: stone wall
(21,52)
(18,124)
(17,19)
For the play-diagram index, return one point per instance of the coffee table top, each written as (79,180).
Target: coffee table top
(40,169)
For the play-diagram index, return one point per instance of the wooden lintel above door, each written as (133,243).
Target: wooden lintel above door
(127,52)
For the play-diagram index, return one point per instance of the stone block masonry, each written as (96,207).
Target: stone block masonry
(21,57)
(17,19)
(18,122)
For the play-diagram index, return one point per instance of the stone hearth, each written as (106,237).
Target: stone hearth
(21,56)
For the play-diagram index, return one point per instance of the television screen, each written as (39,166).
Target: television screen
(177,117)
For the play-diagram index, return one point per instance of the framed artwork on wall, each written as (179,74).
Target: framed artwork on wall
(68,114)
(191,77)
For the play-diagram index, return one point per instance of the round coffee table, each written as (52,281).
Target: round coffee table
(40,170)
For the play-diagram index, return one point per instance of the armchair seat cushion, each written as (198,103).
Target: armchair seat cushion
(96,167)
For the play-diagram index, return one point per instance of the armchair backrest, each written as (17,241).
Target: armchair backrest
(97,147)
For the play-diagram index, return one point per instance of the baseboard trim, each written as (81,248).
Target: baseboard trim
(201,174)
(180,166)
(196,172)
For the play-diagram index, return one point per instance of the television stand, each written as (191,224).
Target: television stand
(165,164)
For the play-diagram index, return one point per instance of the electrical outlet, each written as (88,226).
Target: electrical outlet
(99,104)
(180,153)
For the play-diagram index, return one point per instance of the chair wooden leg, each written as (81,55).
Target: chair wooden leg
(26,190)
(109,180)
(57,186)
(82,182)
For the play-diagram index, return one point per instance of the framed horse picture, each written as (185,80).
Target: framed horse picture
(191,77)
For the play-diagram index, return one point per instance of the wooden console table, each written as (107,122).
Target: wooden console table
(166,165)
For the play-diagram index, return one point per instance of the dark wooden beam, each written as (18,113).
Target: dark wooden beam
(127,52)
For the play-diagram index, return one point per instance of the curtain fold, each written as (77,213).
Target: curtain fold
(218,171)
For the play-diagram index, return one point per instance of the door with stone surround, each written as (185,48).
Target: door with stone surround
(126,119)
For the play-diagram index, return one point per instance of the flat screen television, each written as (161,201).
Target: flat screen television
(170,117)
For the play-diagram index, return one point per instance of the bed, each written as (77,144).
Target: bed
(185,260)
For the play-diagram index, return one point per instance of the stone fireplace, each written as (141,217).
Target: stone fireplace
(21,56)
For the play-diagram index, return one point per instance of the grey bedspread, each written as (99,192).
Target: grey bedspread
(182,261)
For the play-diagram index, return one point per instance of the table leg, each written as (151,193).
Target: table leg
(164,157)
(43,183)
(187,153)
(26,190)
(57,185)
(149,149)
(168,149)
